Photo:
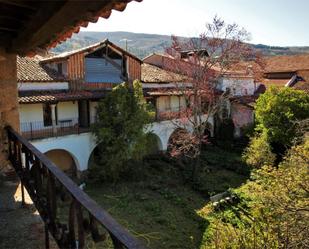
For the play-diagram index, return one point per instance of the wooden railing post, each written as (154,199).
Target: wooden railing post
(31,131)
(41,177)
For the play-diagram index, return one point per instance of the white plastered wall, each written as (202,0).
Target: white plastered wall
(238,86)
(79,146)
(67,110)
(30,112)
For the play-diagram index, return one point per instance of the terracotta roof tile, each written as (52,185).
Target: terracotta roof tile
(275,82)
(32,70)
(154,74)
(287,63)
(35,97)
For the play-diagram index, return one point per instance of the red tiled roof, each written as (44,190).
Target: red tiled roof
(32,70)
(287,63)
(154,74)
(275,82)
(34,97)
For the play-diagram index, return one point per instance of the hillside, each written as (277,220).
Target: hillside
(144,44)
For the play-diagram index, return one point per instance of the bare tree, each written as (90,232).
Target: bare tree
(221,51)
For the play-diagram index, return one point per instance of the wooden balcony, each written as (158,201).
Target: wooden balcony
(37,130)
(70,215)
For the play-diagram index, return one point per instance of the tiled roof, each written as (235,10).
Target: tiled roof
(89,49)
(154,74)
(275,82)
(287,63)
(34,97)
(32,70)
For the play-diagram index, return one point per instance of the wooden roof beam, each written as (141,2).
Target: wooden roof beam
(57,21)
(12,18)
(19,4)
(56,25)
(15,30)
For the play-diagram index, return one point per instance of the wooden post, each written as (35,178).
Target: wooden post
(8,98)
(54,121)
(31,131)
(46,236)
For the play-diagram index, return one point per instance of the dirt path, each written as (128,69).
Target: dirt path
(21,228)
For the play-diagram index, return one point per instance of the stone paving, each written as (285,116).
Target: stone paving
(20,227)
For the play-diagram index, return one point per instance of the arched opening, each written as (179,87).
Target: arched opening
(64,160)
(154,143)
(96,163)
(177,140)
(208,131)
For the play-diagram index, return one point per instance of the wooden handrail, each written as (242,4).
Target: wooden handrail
(35,170)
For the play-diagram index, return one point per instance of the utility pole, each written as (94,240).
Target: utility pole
(126,42)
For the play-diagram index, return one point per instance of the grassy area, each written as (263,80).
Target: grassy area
(161,209)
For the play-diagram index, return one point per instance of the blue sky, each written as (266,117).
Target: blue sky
(271,22)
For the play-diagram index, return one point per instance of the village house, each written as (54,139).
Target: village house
(241,86)
(58,96)
(287,71)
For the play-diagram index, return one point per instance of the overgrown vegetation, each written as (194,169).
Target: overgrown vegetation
(259,152)
(278,110)
(159,207)
(119,130)
(270,211)
(278,113)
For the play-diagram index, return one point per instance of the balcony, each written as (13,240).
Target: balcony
(69,126)
(70,215)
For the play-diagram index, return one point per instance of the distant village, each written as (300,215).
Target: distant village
(58,95)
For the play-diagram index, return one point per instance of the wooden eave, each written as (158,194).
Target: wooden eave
(91,49)
(31,27)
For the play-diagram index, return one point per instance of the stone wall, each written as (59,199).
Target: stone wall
(8,100)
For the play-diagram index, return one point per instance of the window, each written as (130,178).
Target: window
(167,103)
(47,115)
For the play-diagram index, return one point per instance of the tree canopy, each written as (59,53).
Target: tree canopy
(121,117)
(278,110)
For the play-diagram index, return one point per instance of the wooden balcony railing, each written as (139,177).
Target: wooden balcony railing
(69,214)
(37,130)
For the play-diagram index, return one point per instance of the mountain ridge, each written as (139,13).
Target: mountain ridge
(143,44)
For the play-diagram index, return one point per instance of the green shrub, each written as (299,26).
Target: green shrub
(277,112)
(121,117)
(271,211)
(259,153)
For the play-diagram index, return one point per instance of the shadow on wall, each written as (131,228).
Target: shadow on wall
(64,160)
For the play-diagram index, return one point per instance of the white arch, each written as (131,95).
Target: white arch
(79,146)
(72,155)
(158,140)
(165,129)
